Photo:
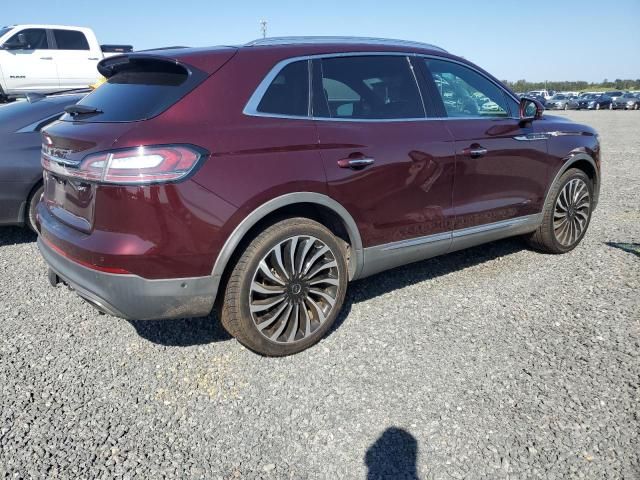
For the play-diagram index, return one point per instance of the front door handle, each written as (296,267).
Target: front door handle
(355,162)
(46,58)
(475,151)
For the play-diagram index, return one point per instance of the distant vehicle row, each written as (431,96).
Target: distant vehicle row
(612,100)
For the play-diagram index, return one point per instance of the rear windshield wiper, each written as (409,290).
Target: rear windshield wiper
(74,110)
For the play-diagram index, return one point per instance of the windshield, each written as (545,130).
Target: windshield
(4,30)
(559,97)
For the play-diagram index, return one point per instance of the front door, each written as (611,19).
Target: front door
(386,163)
(31,68)
(501,172)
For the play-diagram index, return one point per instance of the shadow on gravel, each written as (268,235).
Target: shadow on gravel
(16,235)
(633,248)
(201,331)
(385,282)
(185,332)
(393,455)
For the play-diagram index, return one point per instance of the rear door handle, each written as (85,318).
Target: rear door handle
(475,151)
(46,58)
(355,162)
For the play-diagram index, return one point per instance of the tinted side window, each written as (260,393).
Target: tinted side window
(369,87)
(466,93)
(36,38)
(70,40)
(288,93)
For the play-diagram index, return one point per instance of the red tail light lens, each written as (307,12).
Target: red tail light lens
(131,166)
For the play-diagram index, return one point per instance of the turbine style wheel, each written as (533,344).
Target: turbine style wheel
(572,212)
(286,289)
(294,289)
(566,214)
(597,106)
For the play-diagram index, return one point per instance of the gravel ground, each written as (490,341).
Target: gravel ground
(496,362)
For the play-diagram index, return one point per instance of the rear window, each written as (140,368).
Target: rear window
(140,89)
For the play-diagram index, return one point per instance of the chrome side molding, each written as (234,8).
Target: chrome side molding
(390,255)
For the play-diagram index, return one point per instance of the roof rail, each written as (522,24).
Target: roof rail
(352,40)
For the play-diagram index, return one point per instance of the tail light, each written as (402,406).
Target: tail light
(131,166)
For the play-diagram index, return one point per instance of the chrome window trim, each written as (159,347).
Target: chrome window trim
(251,107)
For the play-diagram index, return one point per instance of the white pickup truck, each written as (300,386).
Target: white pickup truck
(48,58)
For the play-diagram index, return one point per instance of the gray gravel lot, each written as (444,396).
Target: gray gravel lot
(495,362)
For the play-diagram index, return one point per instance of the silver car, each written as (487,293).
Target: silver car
(562,102)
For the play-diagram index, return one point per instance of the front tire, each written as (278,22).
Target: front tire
(566,214)
(287,288)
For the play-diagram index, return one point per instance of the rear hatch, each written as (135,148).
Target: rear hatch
(139,87)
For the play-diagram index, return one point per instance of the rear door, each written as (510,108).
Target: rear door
(386,162)
(31,68)
(75,62)
(501,171)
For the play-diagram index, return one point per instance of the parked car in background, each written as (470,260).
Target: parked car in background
(627,101)
(316,167)
(536,97)
(594,102)
(561,102)
(614,94)
(546,94)
(20,147)
(48,58)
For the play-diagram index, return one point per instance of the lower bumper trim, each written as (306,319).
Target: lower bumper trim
(133,297)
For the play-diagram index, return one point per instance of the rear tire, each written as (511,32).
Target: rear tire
(566,214)
(32,204)
(286,289)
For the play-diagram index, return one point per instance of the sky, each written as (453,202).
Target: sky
(546,40)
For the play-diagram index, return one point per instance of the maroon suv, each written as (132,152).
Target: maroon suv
(264,178)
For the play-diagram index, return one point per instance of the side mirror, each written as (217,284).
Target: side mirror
(20,44)
(530,109)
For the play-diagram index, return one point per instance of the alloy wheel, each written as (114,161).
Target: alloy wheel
(571,214)
(294,289)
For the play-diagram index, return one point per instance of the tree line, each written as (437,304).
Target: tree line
(617,84)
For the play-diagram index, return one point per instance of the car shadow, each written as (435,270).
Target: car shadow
(390,280)
(184,332)
(633,248)
(204,330)
(393,455)
(16,236)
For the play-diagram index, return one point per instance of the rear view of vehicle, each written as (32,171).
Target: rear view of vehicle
(117,204)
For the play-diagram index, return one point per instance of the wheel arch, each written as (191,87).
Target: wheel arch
(312,205)
(582,162)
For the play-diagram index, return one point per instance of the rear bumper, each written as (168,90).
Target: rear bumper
(133,297)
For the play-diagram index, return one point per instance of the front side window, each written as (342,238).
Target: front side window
(467,94)
(70,40)
(288,93)
(375,87)
(36,38)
